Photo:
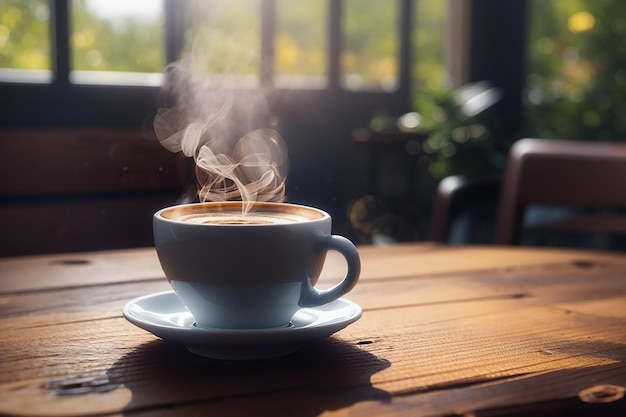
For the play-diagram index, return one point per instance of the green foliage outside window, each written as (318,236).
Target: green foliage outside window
(369,57)
(225,34)
(231,31)
(126,43)
(301,37)
(24,34)
(96,43)
(575,88)
(427,41)
(576,85)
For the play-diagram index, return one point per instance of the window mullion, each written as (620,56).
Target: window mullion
(59,36)
(334,43)
(404,59)
(458,37)
(268,30)
(174,12)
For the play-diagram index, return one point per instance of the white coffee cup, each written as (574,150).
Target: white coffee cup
(252,271)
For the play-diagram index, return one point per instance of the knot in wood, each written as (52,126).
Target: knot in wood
(604,393)
(80,385)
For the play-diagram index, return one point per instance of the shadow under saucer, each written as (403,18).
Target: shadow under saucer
(326,375)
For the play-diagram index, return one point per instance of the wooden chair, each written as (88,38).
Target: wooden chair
(590,176)
(470,201)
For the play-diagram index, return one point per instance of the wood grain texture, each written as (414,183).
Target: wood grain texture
(445,331)
(83,189)
(84,160)
(36,273)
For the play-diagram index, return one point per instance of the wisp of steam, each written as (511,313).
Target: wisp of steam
(217,124)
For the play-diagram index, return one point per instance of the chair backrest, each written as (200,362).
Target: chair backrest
(461,195)
(561,173)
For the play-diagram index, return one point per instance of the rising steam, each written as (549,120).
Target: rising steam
(217,124)
(251,173)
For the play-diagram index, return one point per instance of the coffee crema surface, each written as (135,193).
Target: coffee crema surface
(237,218)
(230,213)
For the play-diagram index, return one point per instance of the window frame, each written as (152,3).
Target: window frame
(62,103)
(487,42)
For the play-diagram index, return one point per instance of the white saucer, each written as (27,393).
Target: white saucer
(165,316)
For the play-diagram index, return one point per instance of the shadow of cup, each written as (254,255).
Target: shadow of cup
(326,375)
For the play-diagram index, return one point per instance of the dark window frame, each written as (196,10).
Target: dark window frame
(62,103)
(493,33)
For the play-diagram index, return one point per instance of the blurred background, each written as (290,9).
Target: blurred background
(377,102)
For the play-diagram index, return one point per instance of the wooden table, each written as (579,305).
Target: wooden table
(473,331)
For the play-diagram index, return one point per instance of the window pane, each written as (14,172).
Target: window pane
(301,43)
(369,58)
(24,35)
(576,69)
(429,72)
(117,35)
(224,37)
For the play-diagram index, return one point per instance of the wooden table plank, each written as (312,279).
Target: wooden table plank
(444,331)
(530,282)
(42,272)
(453,353)
(502,397)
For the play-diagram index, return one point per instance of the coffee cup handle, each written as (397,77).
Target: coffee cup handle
(311,296)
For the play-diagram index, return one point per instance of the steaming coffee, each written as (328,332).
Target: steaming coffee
(223,213)
(233,218)
(249,271)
